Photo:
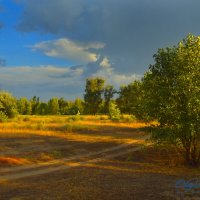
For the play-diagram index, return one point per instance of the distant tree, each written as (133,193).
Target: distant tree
(35,103)
(8,104)
(24,106)
(42,108)
(172,97)
(62,106)
(130,97)
(93,94)
(53,106)
(69,109)
(79,104)
(109,92)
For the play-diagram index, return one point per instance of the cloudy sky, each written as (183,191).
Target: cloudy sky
(49,47)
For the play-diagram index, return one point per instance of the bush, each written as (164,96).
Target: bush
(8,104)
(76,117)
(114,111)
(3,117)
(26,119)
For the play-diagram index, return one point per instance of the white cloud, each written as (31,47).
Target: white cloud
(117,79)
(43,81)
(49,81)
(105,62)
(67,49)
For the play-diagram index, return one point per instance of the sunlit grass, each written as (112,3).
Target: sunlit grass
(59,126)
(23,130)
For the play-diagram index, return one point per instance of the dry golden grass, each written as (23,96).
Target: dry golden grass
(35,139)
(39,132)
(59,126)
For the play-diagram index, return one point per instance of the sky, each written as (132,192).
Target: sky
(49,47)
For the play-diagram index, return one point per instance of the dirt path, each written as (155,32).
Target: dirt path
(14,173)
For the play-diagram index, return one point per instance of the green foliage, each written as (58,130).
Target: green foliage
(35,103)
(79,105)
(42,108)
(8,104)
(130,98)
(172,96)
(76,117)
(24,106)
(108,95)
(71,107)
(93,94)
(114,111)
(63,106)
(3,117)
(53,106)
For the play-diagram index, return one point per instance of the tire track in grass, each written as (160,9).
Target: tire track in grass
(63,164)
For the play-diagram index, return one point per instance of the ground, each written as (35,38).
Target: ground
(86,158)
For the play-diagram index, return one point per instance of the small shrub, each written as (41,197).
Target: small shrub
(114,111)
(41,126)
(67,128)
(26,119)
(76,117)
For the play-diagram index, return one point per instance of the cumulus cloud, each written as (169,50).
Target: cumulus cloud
(48,81)
(69,50)
(107,71)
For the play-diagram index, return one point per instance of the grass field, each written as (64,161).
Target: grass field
(89,157)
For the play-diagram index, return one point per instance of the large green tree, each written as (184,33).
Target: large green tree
(172,96)
(93,94)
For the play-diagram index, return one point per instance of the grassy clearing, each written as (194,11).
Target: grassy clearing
(44,138)
(32,140)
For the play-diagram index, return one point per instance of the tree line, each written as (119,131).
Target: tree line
(96,100)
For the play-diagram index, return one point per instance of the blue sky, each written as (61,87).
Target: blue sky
(52,46)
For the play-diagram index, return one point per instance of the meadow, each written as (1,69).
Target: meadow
(86,157)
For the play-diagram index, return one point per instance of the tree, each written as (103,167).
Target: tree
(130,97)
(24,106)
(93,94)
(108,95)
(62,106)
(42,108)
(53,106)
(35,103)
(8,104)
(172,96)
(79,105)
